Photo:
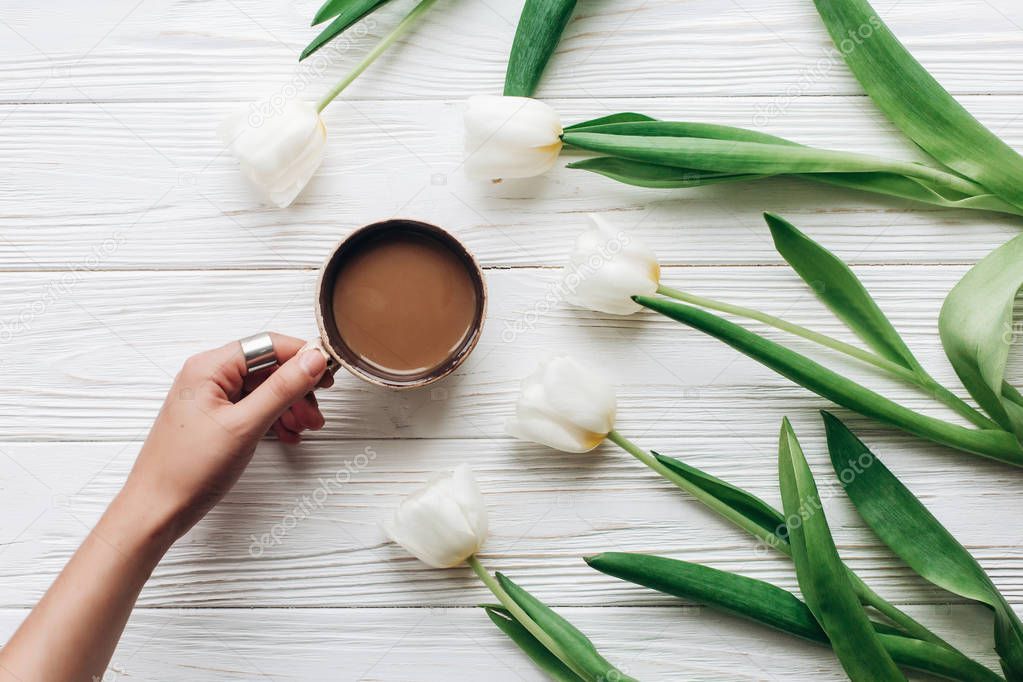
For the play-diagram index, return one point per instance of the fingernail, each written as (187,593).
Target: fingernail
(313,361)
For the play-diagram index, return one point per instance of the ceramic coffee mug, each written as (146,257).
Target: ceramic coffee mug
(332,338)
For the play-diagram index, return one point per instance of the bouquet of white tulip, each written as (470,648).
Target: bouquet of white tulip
(566,405)
(444,524)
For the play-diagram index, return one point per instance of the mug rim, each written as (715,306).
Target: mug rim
(324,299)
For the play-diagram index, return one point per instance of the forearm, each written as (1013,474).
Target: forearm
(73,631)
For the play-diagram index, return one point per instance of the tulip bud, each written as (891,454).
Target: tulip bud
(510,137)
(564,405)
(607,267)
(443,523)
(278,152)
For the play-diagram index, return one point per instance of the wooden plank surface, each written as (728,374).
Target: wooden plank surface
(128,241)
(179,50)
(150,186)
(420,644)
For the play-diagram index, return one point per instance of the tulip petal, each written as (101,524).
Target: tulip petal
(278,151)
(607,267)
(563,405)
(444,522)
(510,137)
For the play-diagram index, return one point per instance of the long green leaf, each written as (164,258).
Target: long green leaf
(815,377)
(537,652)
(750,507)
(937,193)
(347,13)
(915,182)
(841,290)
(823,578)
(654,176)
(774,607)
(729,592)
(537,36)
(902,522)
(934,659)
(916,103)
(762,521)
(623,117)
(350,10)
(575,644)
(977,331)
(650,142)
(652,127)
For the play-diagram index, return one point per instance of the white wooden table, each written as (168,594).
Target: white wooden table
(128,241)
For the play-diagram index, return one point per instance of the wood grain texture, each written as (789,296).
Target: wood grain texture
(114,340)
(140,186)
(128,241)
(423,644)
(176,49)
(302,527)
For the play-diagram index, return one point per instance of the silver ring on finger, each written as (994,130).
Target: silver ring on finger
(258,351)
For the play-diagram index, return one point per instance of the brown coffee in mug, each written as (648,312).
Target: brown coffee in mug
(401,303)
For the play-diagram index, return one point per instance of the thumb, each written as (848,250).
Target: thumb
(289,384)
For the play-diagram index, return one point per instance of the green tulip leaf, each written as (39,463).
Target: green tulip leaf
(735,594)
(823,578)
(916,103)
(346,13)
(652,176)
(350,10)
(575,644)
(536,38)
(841,290)
(537,652)
(976,329)
(767,522)
(624,117)
(699,154)
(776,608)
(934,192)
(734,150)
(824,382)
(638,125)
(902,522)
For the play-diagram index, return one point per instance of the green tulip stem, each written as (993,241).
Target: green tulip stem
(724,510)
(863,591)
(520,615)
(381,47)
(924,381)
(911,626)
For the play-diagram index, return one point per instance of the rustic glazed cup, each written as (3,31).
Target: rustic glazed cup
(332,339)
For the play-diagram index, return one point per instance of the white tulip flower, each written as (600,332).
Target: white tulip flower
(279,151)
(564,405)
(443,523)
(510,137)
(607,267)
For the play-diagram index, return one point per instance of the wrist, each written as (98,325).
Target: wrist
(136,528)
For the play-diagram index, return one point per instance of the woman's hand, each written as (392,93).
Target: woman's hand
(199,445)
(210,423)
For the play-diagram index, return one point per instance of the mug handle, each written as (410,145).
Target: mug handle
(332,364)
